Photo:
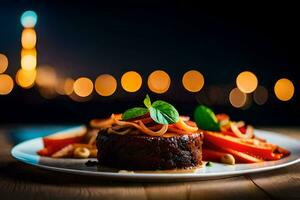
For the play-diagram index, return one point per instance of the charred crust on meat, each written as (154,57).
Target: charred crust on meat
(143,152)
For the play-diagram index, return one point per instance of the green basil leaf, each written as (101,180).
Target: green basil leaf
(163,113)
(134,112)
(147,101)
(206,119)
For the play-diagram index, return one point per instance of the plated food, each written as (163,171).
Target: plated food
(156,137)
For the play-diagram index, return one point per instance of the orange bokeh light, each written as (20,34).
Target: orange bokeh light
(105,85)
(46,77)
(83,87)
(69,86)
(159,81)
(237,98)
(6,84)
(31,52)
(284,89)
(131,81)
(28,62)
(26,78)
(28,38)
(3,63)
(193,81)
(247,82)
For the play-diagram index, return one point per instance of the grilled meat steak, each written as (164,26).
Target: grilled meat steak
(143,152)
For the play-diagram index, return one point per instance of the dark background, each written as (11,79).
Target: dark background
(86,38)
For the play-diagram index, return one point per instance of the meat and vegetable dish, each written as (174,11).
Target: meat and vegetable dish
(156,137)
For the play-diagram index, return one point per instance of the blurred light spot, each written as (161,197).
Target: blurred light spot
(246,82)
(46,77)
(193,81)
(59,86)
(3,63)
(6,84)
(237,98)
(28,39)
(25,52)
(260,95)
(284,89)
(47,93)
(68,86)
(131,81)
(28,62)
(159,81)
(26,78)
(29,19)
(83,87)
(105,85)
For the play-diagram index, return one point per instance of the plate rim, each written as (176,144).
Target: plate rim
(149,176)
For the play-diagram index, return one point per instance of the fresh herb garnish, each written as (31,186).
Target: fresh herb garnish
(208,164)
(206,119)
(134,113)
(163,113)
(160,111)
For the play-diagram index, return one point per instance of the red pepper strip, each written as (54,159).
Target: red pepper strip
(283,151)
(191,123)
(238,156)
(242,157)
(228,131)
(212,155)
(44,152)
(222,116)
(236,144)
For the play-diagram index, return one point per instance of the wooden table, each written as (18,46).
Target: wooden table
(21,181)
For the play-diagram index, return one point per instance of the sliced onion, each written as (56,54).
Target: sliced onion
(183,126)
(148,131)
(126,131)
(101,123)
(184,118)
(235,129)
(140,126)
(240,124)
(155,127)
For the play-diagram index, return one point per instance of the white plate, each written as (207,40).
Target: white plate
(26,152)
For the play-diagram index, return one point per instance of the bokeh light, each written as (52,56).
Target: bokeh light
(193,81)
(60,86)
(105,85)
(237,98)
(260,95)
(46,77)
(25,52)
(3,63)
(29,19)
(284,89)
(131,81)
(6,84)
(47,93)
(28,39)
(69,86)
(246,81)
(28,62)
(83,87)
(26,78)
(159,81)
